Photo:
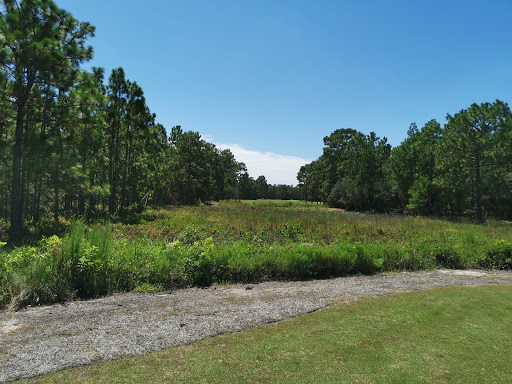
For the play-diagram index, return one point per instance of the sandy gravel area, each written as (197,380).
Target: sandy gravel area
(39,340)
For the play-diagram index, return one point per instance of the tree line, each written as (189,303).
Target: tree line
(463,168)
(73,142)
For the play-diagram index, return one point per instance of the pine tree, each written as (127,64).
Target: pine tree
(41,45)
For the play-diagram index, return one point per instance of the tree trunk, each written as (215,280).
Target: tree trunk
(92,198)
(112,198)
(478,190)
(189,184)
(16,203)
(24,188)
(37,198)
(56,193)
(124,197)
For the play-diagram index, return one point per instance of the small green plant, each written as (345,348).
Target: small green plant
(499,256)
(290,232)
(191,235)
(148,288)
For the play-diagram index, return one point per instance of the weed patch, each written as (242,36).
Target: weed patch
(240,242)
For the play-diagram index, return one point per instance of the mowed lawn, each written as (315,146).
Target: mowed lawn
(449,335)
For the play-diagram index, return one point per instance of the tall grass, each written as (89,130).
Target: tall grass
(240,242)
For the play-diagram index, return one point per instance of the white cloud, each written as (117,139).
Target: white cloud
(277,169)
(208,138)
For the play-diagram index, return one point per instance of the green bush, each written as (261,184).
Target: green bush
(448,257)
(499,256)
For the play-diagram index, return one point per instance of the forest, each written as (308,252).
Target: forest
(74,142)
(463,168)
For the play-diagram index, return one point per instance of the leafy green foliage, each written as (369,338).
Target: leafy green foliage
(476,142)
(460,169)
(240,242)
(42,47)
(499,256)
(148,288)
(352,168)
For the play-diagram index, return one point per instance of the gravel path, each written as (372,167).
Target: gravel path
(39,340)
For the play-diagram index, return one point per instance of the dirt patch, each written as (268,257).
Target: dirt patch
(463,273)
(40,340)
(11,327)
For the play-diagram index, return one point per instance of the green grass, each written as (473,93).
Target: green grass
(449,335)
(246,241)
(233,221)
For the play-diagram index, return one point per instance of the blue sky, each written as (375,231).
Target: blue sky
(270,79)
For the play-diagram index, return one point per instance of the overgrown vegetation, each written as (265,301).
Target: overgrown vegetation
(75,143)
(450,335)
(460,169)
(240,242)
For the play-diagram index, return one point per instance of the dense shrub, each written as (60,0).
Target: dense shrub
(499,256)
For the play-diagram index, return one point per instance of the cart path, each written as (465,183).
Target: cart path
(39,340)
